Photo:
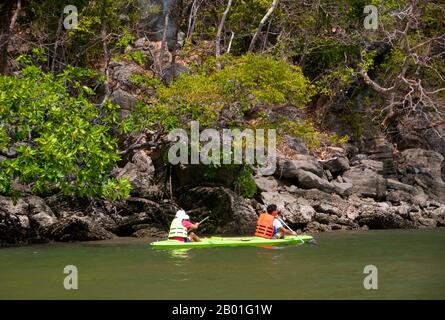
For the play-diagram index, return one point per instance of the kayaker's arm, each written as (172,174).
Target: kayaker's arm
(194,226)
(190,226)
(288,232)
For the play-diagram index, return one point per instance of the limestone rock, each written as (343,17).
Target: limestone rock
(366,182)
(229,213)
(336,165)
(266,183)
(140,172)
(288,168)
(309,180)
(78,229)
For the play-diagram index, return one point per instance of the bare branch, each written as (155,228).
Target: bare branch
(263,21)
(375,85)
(229,47)
(218,34)
(192,18)
(406,93)
(56,42)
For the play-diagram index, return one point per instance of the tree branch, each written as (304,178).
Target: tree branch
(218,34)
(263,21)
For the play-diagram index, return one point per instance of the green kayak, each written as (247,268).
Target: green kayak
(230,242)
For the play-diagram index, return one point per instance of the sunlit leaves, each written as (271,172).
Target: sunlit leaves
(62,141)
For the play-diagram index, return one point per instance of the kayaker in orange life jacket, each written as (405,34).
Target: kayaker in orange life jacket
(181,228)
(269,226)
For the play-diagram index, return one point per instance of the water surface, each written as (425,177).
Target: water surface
(410,263)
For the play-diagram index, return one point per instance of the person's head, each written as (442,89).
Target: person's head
(273,210)
(180,214)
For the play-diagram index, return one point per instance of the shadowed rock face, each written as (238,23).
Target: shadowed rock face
(152,20)
(336,165)
(416,131)
(423,161)
(230,213)
(423,168)
(78,229)
(24,220)
(140,172)
(309,199)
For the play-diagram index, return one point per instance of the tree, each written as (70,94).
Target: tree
(6,16)
(53,138)
(408,88)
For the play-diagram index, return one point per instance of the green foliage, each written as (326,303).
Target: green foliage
(62,140)
(368,60)
(334,81)
(37,55)
(245,183)
(126,39)
(304,130)
(137,56)
(392,63)
(84,45)
(356,122)
(313,138)
(268,80)
(327,54)
(195,97)
(145,81)
(150,116)
(431,12)
(244,82)
(116,189)
(333,139)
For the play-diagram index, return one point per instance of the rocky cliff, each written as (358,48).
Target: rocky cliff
(314,195)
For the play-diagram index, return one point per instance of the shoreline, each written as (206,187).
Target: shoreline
(126,240)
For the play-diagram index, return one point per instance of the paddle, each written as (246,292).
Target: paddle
(203,220)
(298,237)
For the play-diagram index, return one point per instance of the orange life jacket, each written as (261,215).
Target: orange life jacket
(264,226)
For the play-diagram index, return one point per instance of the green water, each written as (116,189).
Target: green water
(411,265)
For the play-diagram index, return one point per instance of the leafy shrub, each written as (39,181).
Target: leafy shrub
(245,183)
(243,83)
(304,130)
(62,140)
(137,56)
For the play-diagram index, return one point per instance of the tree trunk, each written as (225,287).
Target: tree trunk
(218,34)
(164,40)
(267,36)
(103,34)
(174,54)
(104,39)
(263,21)
(191,22)
(182,15)
(6,16)
(16,14)
(56,43)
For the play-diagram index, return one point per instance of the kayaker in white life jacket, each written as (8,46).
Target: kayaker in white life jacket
(181,228)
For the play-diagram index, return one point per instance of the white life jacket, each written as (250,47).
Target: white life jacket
(177,229)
